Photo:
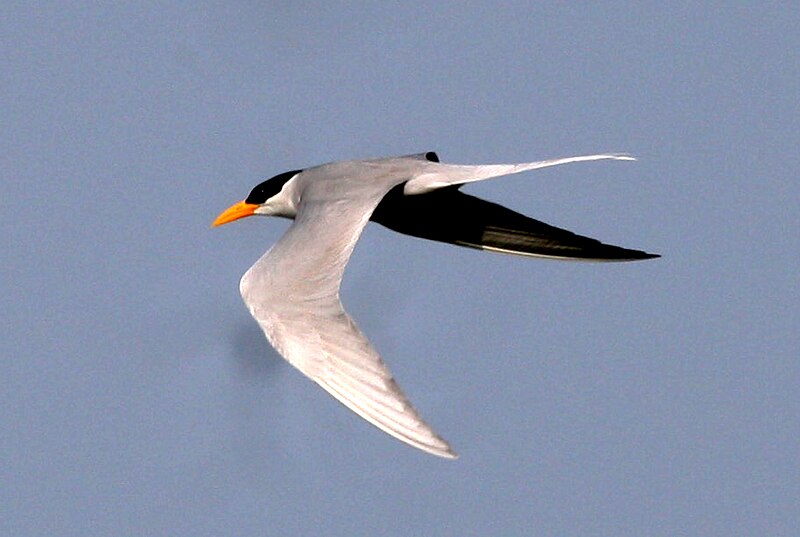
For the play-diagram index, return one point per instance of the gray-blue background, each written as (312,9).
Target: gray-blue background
(137,397)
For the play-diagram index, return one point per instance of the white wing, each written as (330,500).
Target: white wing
(293,293)
(442,175)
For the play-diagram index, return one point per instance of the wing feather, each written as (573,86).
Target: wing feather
(293,293)
(451,216)
(443,175)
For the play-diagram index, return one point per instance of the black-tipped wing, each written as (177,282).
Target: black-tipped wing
(451,216)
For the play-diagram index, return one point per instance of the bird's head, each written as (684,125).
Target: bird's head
(273,197)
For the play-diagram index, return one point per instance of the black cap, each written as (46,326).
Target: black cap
(269,188)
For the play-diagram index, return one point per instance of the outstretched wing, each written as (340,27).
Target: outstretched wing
(293,293)
(443,175)
(451,216)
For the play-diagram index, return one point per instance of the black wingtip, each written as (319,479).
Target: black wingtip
(624,254)
(650,256)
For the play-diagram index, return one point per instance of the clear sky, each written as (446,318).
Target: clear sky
(138,397)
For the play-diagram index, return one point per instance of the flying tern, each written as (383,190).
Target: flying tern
(293,289)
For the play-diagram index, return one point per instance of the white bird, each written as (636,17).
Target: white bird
(293,289)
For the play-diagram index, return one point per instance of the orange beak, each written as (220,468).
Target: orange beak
(235,212)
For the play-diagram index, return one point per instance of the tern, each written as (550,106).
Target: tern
(292,291)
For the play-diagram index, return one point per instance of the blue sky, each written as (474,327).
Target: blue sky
(658,398)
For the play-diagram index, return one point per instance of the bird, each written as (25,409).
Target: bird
(293,290)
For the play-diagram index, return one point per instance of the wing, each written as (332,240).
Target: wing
(451,216)
(293,293)
(444,175)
